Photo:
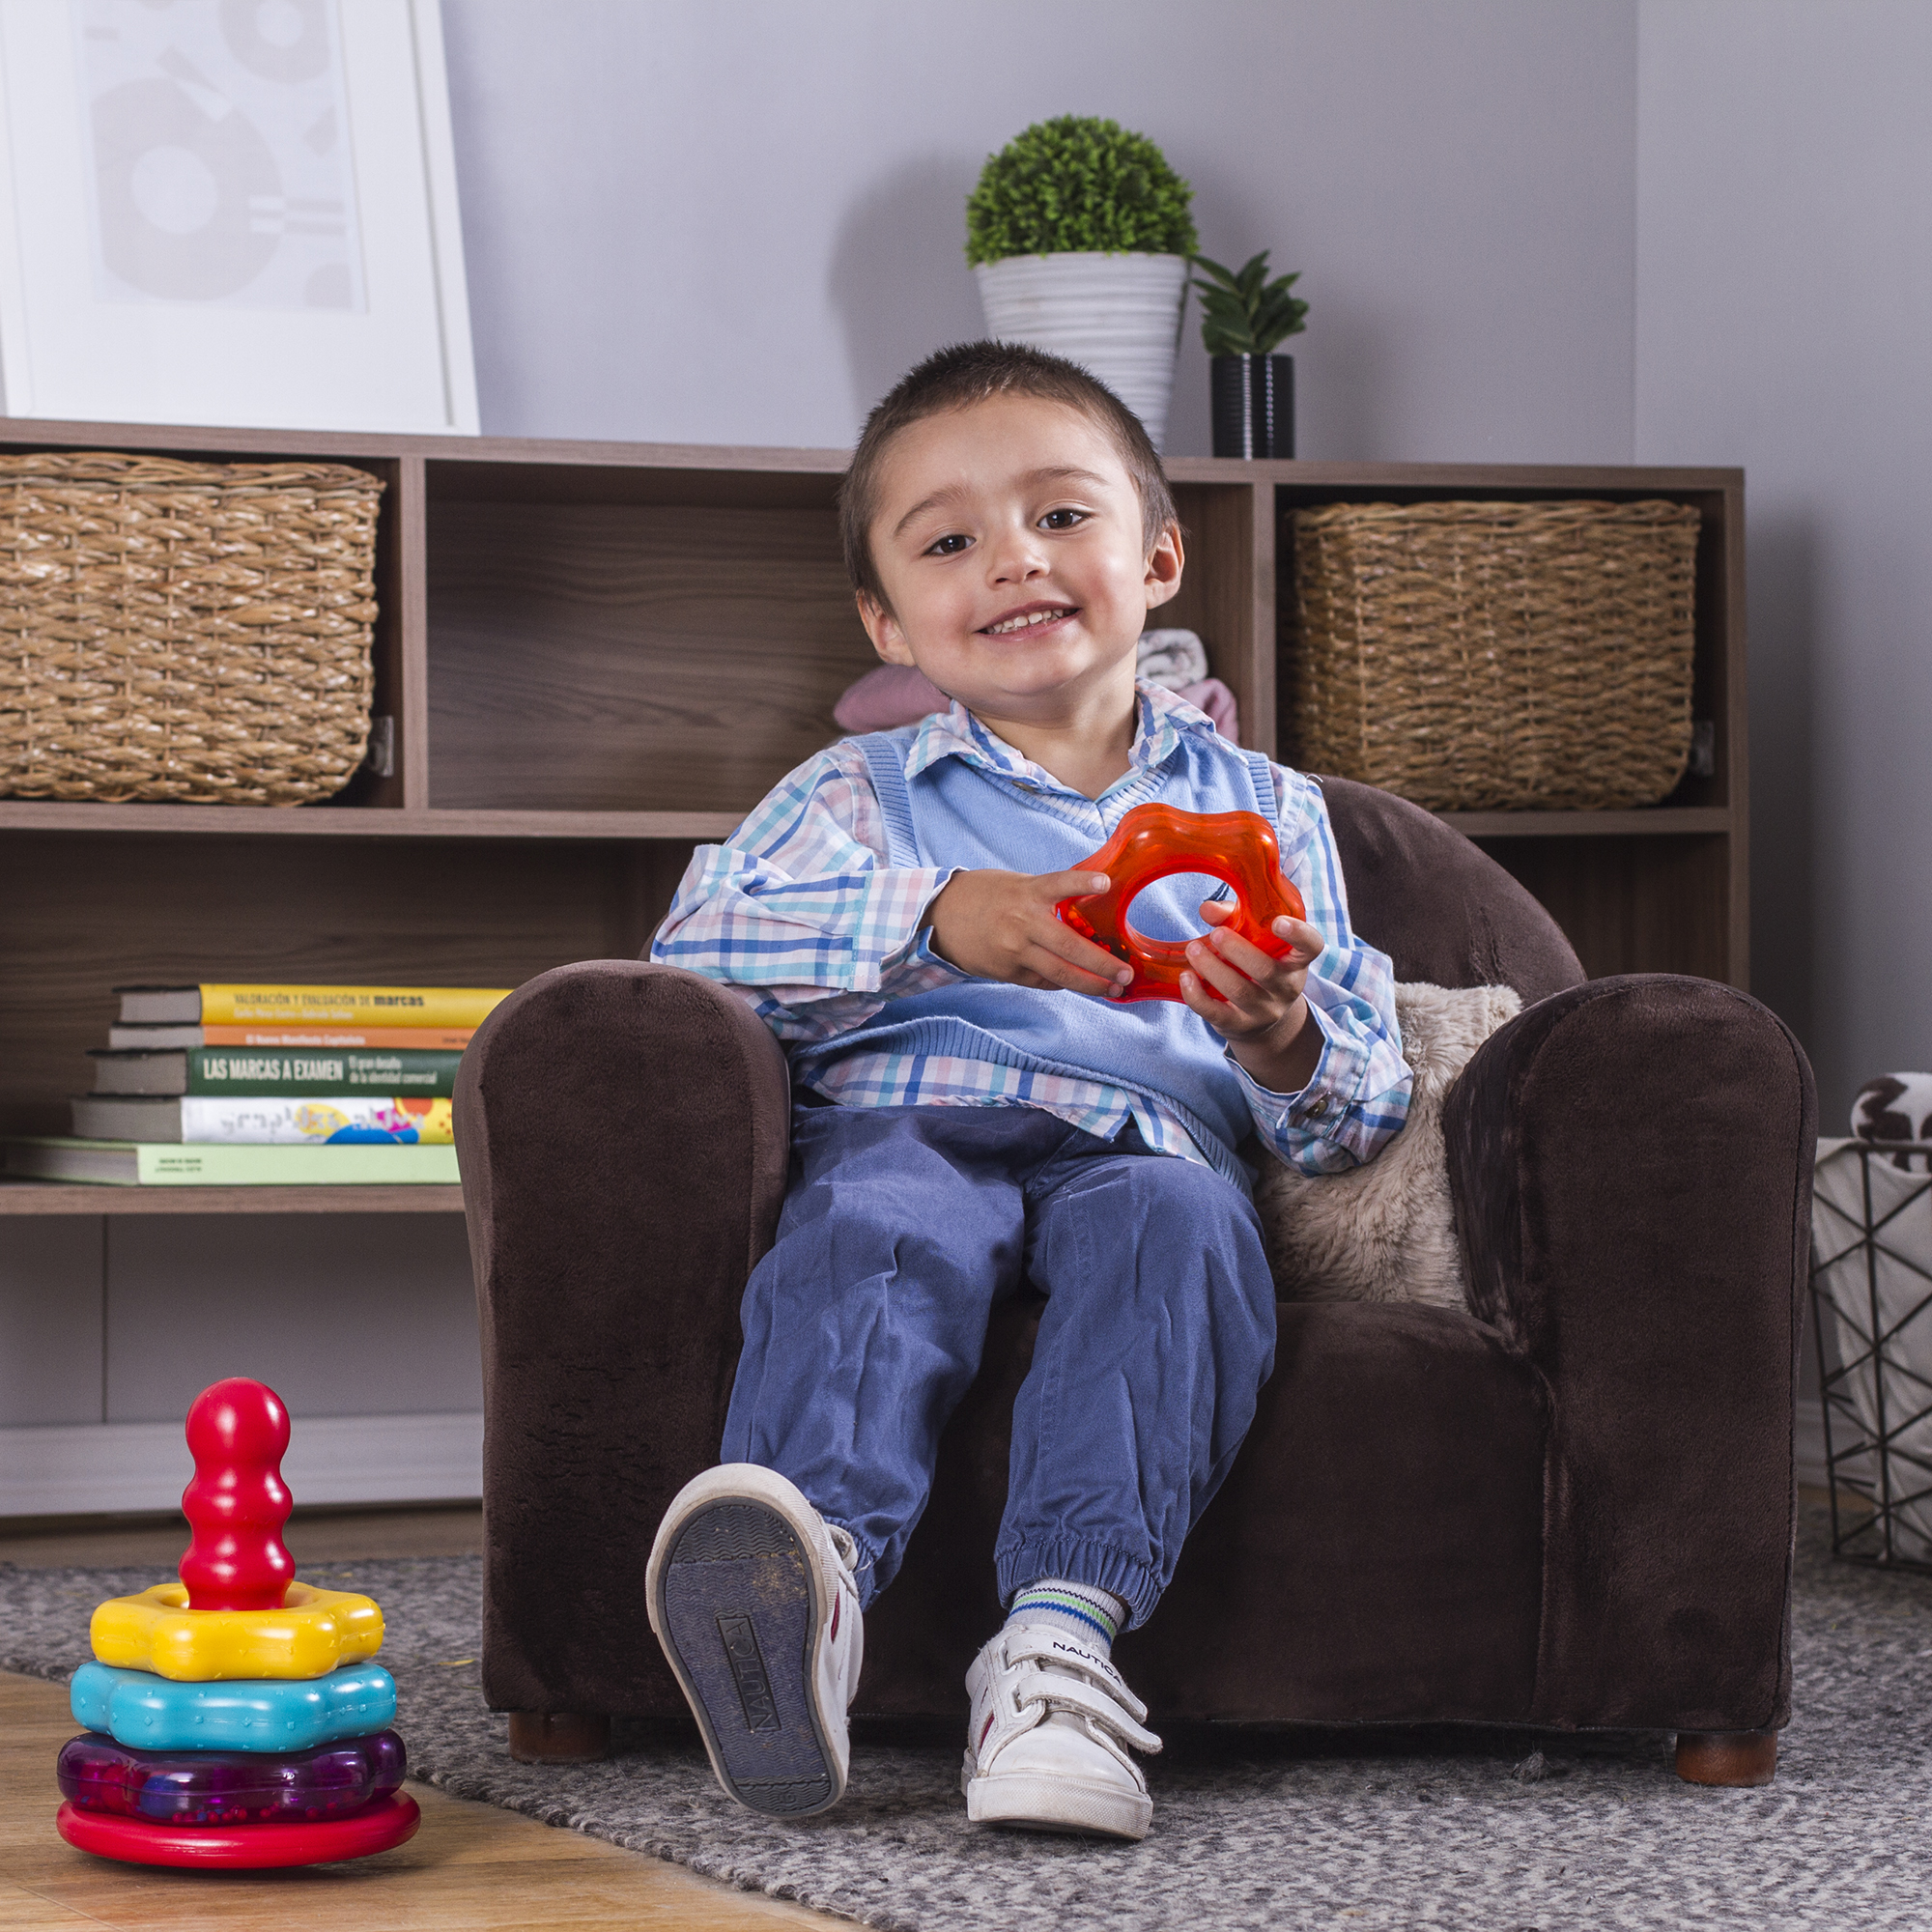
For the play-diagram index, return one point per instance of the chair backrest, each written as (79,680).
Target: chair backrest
(1441,908)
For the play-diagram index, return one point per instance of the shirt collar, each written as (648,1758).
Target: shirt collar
(955,733)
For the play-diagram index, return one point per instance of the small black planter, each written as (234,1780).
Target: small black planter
(1254,405)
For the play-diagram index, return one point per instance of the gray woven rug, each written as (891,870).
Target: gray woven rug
(1495,1829)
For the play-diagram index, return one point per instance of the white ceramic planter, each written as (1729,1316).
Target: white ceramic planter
(1117,315)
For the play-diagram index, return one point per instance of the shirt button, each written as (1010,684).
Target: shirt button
(1318,1107)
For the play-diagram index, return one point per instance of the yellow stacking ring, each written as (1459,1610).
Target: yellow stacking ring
(313,1632)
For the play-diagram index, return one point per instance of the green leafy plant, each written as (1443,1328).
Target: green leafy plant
(1078,184)
(1242,313)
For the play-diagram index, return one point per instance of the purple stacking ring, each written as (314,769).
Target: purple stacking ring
(229,1788)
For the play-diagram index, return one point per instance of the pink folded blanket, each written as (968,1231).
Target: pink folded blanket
(1215,697)
(886,696)
(892,694)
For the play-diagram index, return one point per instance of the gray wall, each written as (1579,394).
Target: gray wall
(1784,322)
(740,222)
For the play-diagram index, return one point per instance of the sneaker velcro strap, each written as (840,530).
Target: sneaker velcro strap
(1060,1691)
(1058,1651)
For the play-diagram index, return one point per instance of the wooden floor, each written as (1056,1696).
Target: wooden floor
(312,1536)
(469,1865)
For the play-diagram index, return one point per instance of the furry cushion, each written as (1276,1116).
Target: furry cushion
(1386,1231)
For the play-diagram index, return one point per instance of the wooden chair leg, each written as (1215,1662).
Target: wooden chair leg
(1727,1757)
(559,1737)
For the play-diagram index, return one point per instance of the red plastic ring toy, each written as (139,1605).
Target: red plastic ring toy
(1154,842)
(387,1824)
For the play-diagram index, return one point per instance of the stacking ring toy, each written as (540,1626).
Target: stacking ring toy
(1154,841)
(387,1823)
(232,1723)
(312,1633)
(134,1707)
(229,1788)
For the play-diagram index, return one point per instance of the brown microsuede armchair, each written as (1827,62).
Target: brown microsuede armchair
(1569,1508)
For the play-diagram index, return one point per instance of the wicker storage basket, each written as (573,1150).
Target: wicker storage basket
(1485,656)
(185,631)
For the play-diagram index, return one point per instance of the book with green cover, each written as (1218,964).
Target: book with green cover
(157,1164)
(285,1073)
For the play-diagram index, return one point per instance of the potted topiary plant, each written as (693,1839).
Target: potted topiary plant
(1080,236)
(1244,315)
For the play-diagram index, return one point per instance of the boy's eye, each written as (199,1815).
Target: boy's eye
(1062,519)
(950,545)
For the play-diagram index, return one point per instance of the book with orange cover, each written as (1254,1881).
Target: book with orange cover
(405,1040)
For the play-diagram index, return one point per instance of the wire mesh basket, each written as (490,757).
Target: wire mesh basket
(1871,1307)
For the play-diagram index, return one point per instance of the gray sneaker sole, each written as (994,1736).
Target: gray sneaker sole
(739,1625)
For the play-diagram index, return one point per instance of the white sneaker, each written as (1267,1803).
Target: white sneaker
(1046,1744)
(751,1594)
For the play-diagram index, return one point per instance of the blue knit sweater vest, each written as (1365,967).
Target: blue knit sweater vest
(954,814)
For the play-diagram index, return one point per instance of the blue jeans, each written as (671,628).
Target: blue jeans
(903,1229)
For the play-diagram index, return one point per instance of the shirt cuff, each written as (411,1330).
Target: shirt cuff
(925,954)
(1322,1106)
(916,965)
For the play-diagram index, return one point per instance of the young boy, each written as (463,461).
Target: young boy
(978,1108)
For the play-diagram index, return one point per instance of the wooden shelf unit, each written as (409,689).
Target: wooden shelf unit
(598,655)
(71,1197)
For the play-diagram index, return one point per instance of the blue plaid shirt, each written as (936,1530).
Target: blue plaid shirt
(800,912)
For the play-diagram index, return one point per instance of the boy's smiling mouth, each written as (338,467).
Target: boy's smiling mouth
(1028,617)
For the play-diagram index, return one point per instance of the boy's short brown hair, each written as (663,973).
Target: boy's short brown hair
(973,371)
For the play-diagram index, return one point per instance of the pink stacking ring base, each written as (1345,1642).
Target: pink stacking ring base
(387,1824)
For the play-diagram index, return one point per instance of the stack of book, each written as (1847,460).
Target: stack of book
(237,1085)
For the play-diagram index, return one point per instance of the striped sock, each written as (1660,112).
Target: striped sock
(1098,1616)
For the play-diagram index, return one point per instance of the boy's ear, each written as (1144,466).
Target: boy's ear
(883,628)
(1164,565)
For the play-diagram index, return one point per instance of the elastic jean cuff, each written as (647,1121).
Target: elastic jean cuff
(1078,1559)
(865,1572)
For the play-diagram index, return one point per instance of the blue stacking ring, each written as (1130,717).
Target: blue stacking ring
(152,1713)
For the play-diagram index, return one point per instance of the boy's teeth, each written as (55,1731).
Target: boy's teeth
(1021,623)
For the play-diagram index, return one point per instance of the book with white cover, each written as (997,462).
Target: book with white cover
(337,1117)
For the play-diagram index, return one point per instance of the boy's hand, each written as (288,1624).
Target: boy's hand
(1001,925)
(1262,1013)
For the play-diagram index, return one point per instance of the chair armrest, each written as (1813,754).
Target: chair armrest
(1631,1163)
(623,1132)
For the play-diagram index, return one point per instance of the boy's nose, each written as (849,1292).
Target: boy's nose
(1016,558)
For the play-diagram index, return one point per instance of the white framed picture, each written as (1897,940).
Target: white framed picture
(231,212)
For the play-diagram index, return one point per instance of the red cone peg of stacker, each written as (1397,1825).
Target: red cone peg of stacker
(238,1432)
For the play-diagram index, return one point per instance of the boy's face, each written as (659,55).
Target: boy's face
(1009,541)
